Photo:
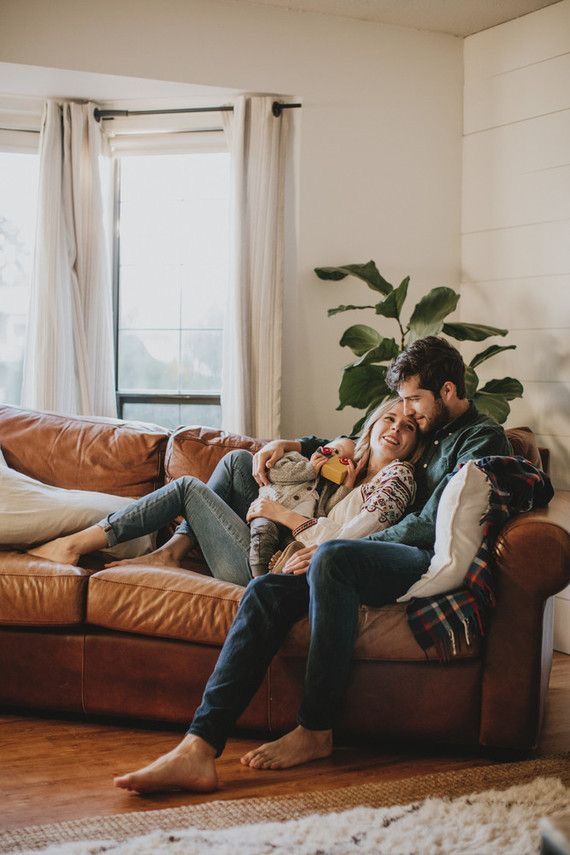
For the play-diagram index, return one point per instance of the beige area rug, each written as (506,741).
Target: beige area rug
(488,809)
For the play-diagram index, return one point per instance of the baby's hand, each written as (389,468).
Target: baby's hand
(317,460)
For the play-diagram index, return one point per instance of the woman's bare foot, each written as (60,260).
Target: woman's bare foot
(61,550)
(297,747)
(189,766)
(159,558)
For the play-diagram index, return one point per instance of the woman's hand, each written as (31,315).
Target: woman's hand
(299,561)
(353,472)
(266,508)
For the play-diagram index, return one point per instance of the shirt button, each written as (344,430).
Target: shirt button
(436,442)
(296,498)
(425,465)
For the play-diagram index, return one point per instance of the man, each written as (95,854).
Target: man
(330,582)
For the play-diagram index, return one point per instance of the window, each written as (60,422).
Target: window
(171,284)
(18,206)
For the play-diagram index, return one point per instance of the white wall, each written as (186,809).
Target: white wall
(379,143)
(516,213)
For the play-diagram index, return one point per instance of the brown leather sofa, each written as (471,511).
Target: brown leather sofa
(141,642)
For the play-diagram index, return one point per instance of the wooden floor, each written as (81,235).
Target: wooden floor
(51,770)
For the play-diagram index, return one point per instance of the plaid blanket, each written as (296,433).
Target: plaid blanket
(516,486)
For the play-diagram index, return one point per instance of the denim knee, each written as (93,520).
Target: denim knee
(330,557)
(239,457)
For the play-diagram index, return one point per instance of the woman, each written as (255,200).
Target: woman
(386,489)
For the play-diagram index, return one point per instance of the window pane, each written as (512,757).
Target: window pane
(201,361)
(173,271)
(174,415)
(18,205)
(148,360)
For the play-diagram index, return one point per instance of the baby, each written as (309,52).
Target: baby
(296,484)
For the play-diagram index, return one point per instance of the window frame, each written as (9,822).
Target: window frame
(138,397)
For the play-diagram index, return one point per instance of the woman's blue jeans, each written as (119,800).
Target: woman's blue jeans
(214,515)
(342,575)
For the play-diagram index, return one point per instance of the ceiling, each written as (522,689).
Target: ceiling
(456,17)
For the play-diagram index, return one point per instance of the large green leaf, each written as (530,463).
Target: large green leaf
(385,350)
(338,309)
(471,332)
(492,405)
(361,385)
(369,273)
(489,352)
(360,338)
(427,317)
(507,387)
(471,382)
(392,305)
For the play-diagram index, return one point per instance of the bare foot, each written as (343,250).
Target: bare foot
(298,746)
(189,766)
(60,550)
(158,558)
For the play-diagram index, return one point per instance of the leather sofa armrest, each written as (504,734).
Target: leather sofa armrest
(532,564)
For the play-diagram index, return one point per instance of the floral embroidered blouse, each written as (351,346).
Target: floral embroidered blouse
(371,507)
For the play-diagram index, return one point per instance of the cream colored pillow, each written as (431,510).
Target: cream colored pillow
(458,533)
(32,513)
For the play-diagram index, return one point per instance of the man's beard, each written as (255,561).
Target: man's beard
(440,416)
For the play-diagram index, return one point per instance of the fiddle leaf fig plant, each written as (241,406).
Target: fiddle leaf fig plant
(363,383)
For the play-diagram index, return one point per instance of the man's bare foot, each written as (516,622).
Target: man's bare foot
(297,747)
(189,766)
(158,558)
(61,550)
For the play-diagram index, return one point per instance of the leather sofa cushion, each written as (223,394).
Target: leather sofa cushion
(105,455)
(197,450)
(40,593)
(524,444)
(186,606)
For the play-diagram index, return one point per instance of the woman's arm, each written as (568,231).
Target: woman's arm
(271,510)
(381,508)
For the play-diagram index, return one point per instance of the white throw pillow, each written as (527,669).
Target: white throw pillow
(458,533)
(32,513)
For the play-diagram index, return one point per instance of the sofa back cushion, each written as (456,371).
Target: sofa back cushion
(106,455)
(196,450)
(524,444)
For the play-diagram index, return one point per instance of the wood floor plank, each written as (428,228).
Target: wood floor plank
(57,769)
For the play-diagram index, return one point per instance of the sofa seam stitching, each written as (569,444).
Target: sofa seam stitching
(168,590)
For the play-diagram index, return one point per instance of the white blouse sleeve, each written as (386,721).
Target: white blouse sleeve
(384,502)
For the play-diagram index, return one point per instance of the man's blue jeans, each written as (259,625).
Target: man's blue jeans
(214,515)
(342,575)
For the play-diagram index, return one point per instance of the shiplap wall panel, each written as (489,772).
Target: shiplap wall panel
(513,96)
(516,214)
(540,354)
(522,42)
(541,249)
(539,302)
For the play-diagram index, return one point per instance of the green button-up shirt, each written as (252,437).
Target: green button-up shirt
(468,437)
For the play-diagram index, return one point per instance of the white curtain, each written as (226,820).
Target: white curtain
(251,386)
(69,362)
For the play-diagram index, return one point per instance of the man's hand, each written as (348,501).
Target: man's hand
(299,562)
(268,456)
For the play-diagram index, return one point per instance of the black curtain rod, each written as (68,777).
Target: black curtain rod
(276,108)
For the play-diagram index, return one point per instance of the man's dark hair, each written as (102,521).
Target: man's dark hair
(434,360)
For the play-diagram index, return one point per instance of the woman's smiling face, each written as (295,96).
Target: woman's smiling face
(394,433)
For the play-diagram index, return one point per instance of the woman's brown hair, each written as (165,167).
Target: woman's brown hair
(362,448)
